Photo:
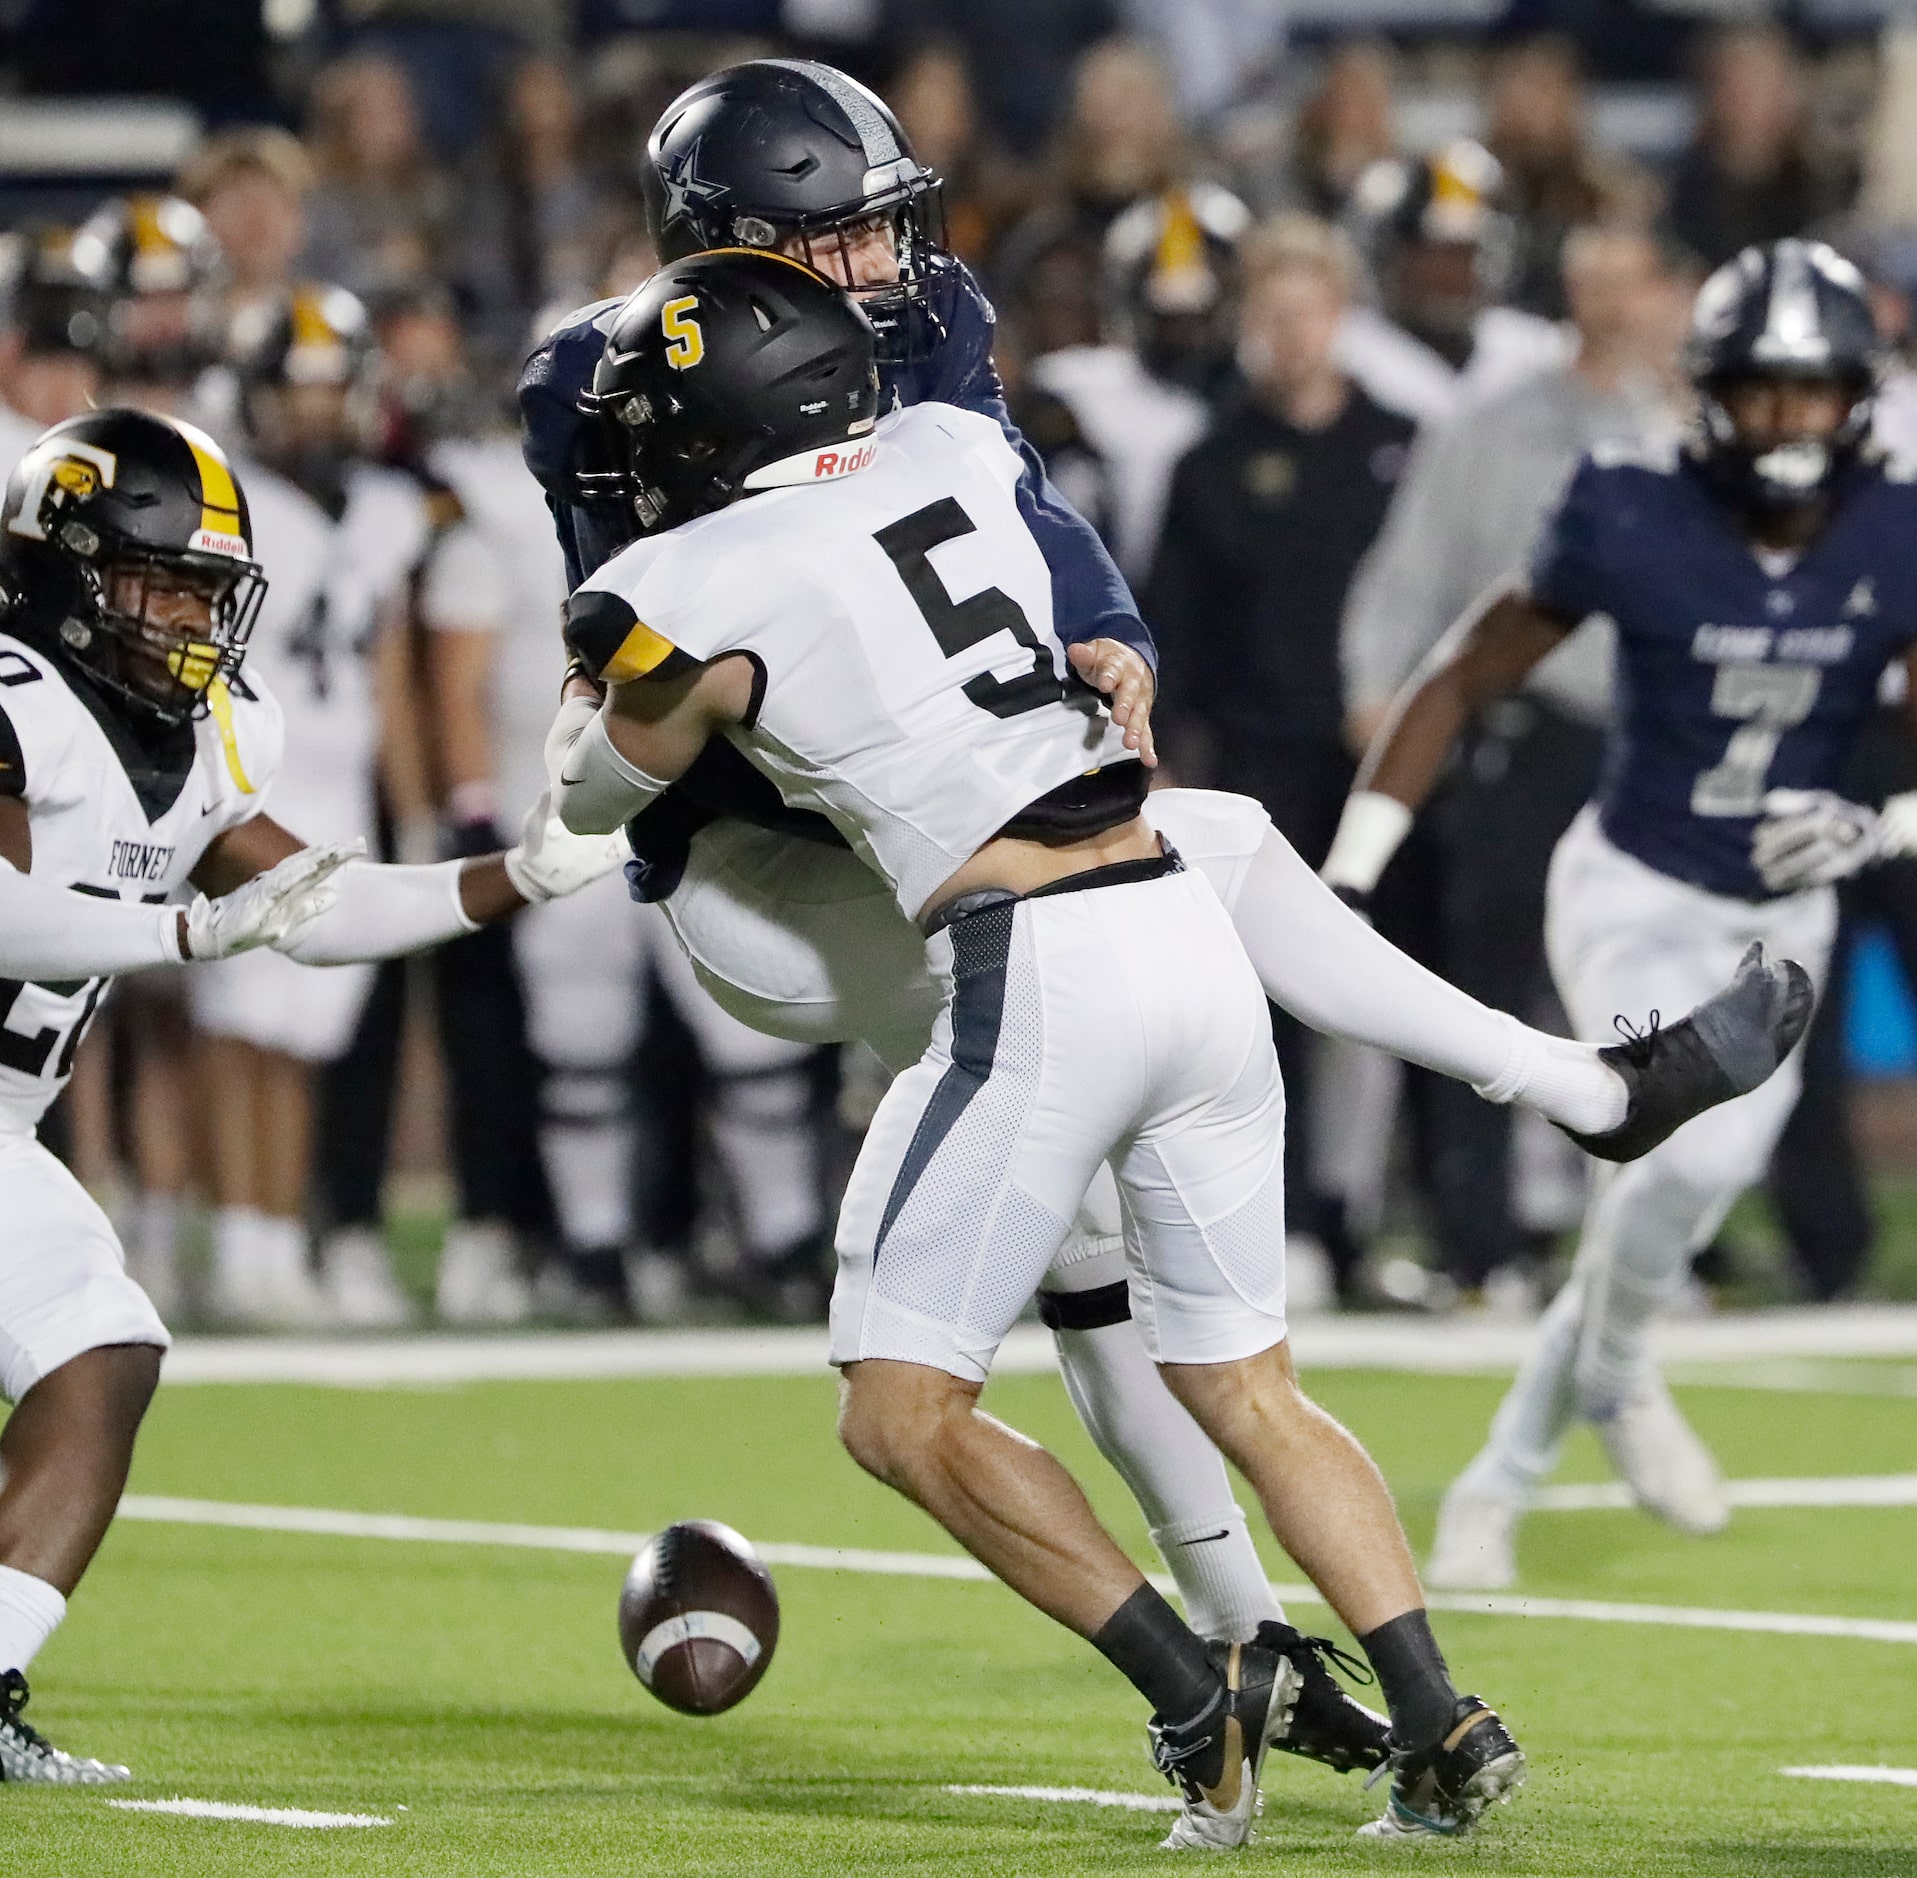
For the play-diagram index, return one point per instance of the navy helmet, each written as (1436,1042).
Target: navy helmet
(792,155)
(1794,309)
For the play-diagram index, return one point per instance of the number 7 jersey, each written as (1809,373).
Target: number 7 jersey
(1738,672)
(911,686)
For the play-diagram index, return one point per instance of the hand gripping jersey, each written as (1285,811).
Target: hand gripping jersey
(913,688)
(120,818)
(1737,672)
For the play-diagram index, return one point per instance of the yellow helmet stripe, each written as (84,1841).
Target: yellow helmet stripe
(219,494)
(219,704)
(641,651)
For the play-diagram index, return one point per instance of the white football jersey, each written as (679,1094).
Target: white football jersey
(900,614)
(106,821)
(499,570)
(327,584)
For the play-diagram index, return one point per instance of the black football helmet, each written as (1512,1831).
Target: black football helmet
(1172,278)
(161,271)
(118,493)
(727,372)
(1794,309)
(788,152)
(49,299)
(313,339)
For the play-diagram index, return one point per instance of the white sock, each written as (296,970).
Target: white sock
(1528,1429)
(282,1246)
(762,1129)
(1175,1474)
(156,1233)
(236,1242)
(1566,1082)
(30,1612)
(1220,1580)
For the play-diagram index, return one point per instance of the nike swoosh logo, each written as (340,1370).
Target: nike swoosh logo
(1223,1532)
(569,782)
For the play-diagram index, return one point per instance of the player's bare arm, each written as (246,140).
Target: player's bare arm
(1479,660)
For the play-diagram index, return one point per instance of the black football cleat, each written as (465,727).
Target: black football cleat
(1327,1725)
(1215,1761)
(1438,1792)
(27,1755)
(1726,1047)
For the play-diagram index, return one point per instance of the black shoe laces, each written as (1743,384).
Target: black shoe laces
(1638,1044)
(13,1698)
(1355,1667)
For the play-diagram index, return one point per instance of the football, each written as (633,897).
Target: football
(699,1618)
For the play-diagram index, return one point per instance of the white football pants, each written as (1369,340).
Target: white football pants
(1623,938)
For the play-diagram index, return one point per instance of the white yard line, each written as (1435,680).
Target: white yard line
(1445,1346)
(333,1523)
(1870,1776)
(253,1815)
(1081,1796)
(1833,1490)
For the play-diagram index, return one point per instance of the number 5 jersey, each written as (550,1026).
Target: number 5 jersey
(899,612)
(115,814)
(1739,669)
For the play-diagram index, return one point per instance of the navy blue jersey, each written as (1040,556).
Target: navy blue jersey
(1090,599)
(1733,678)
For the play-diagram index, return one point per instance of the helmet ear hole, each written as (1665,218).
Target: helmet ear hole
(759,313)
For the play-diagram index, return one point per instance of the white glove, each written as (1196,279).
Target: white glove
(271,906)
(575,716)
(551,861)
(1811,837)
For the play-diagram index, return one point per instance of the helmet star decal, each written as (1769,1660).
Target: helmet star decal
(685,187)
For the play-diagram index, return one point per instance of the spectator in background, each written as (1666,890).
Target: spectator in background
(50,320)
(1553,181)
(552,210)
(1748,177)
(1141,399)
(1439,245)
(252,185)
(1267,520)
(985,192)
(382,219)
(1344,127)
(1471,501)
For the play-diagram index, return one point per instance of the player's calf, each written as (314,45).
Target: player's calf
(1726,1047)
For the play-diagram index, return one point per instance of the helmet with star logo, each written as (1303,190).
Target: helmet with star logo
(796,158)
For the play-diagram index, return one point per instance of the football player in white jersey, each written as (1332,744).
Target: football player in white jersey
(1096,1002)
(338,537)
(50,315)
(135,760)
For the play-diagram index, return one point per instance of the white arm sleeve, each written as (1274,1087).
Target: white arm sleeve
(52,932)
(595,789)
(383,913)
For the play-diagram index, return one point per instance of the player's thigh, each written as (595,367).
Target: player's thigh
(275,1003)
(63,1283)
(579,960)
(980,1153)
(804,942)
(1203,1177)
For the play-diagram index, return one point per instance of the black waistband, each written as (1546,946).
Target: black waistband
(1116,874)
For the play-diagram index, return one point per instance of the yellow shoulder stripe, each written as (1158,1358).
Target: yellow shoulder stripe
(641,651)
(219,704)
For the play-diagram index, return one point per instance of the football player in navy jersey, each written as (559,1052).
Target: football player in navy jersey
(1762,579)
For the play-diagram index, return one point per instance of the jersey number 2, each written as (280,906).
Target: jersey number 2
(960,625)
(1764,701)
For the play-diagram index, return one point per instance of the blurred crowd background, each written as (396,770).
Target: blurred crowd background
(1310,305)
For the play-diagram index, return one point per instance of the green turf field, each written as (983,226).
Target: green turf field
(481,1689)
